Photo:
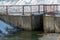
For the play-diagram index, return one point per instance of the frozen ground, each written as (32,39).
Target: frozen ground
(7,29)
(51,36)
(4,26)
(27,2)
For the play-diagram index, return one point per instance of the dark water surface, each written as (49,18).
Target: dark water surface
(31,35)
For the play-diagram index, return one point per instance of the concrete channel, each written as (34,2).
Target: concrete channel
(31,22)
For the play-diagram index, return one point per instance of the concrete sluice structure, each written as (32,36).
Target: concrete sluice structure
(25,22)
(43,17)
(27,17)
(52,23)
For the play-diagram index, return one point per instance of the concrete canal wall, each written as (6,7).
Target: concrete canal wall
(31,22)
(51,23)
(48,24)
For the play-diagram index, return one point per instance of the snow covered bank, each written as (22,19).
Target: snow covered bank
(7,29)
(28,2)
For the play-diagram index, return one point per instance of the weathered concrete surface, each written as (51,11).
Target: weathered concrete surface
(31,22)
(50,36)
(57,24)
(51,23)
(20,21)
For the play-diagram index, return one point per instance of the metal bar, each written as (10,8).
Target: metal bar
(7,13)
(30,5)
(23,10)
(31,9)
(39,9)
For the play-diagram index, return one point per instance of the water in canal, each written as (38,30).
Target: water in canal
(31,35)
